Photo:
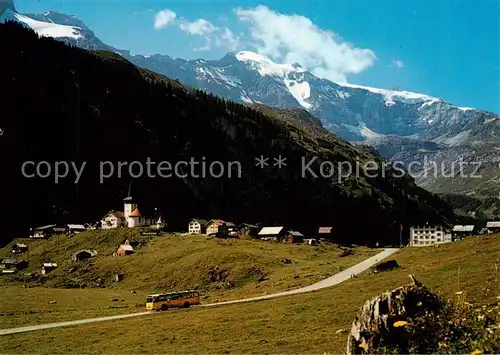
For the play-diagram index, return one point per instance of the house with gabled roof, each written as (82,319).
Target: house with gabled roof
(493,226)
(215,226)
(13,263)
(43,232)
(75,228)
(325,233)
(125,249)
(48,267)
(247,229)
(292,236)
(19,248)
(83,255)
(460,231)
(197,226)
(272,233)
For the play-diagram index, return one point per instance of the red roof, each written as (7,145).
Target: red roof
(136,213)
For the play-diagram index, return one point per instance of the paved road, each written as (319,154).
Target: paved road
(331,281)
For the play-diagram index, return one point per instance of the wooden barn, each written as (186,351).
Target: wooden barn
(125,249)
(293,237)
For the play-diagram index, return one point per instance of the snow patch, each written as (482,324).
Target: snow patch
(429,103)
(266,66)
(343,94)
(300,91)
(466,109)
(246,99)
(363,131)
(391,96)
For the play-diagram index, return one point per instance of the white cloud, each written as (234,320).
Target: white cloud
(224,37)
(227,39)
(296,39)
(164,18)
(199,27)
(398,63)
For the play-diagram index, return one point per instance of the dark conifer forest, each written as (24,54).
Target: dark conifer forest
(60,103)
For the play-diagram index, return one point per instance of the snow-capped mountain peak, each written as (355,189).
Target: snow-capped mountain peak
(353,112)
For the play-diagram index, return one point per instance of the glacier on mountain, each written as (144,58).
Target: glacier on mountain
(44,29)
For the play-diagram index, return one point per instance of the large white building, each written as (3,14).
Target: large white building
(131,217)
(429,235)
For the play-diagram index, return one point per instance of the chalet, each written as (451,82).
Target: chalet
(114,219)
(493,226)
(75,228)
(325,233)
(460,231)
(293,237)
(124,249)
(428,235)
(19,248)
(271,233)
(214,226)
(131,217)
(197,226)
(249,230)
(43,232)
(83,255)
(14,264)
(48,267)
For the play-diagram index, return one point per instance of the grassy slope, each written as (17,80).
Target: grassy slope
(169,262)
(296,324)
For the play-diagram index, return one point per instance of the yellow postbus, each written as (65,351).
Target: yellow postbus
(164,301)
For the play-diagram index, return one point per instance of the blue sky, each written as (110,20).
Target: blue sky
(444,48)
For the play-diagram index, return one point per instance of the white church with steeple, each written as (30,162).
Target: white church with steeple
(131,217)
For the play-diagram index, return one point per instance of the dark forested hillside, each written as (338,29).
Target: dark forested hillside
(66,104)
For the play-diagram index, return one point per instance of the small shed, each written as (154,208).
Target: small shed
(293,237)
(43,232)
(75,228)
(247,229)
(14,264)
(325,233)
(83,255)
(19,248)
(272,233)
(124,249)
(48,267)
(493,226)
(463,231)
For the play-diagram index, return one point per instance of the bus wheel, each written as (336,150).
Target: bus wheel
(163,307)
(186,304)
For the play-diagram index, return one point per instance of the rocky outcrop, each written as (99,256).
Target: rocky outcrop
(383,320)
